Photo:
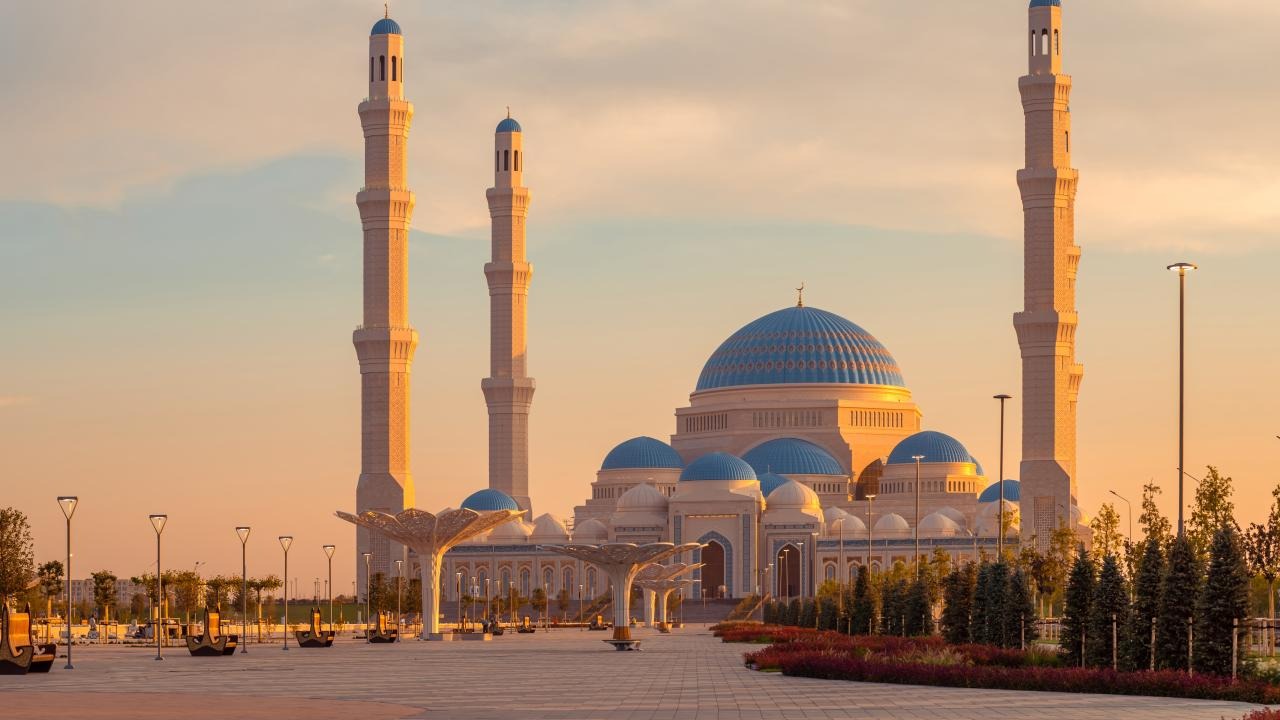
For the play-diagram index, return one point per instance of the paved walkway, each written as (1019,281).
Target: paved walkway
(561,675)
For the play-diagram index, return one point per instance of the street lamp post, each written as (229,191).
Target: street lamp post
(243,533)
(399,579)
(870,497)
(580,618)
(68,504)
(1000,479)
(286,541)
(1130,512)
(916,524)
(458,584)
(158,522)
(1181,268)
(786,573)
(328,553)
(368,591)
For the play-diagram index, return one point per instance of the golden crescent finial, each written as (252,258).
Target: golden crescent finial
(800,295)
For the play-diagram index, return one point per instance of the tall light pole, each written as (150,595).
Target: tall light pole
(786,572)
(1000,479)
(158,522)
(870,497)
(286,541)
(458,584)
(1181,268)
(243,533)
(1130,512)
(368,590)
(399,577)
(916,524)
(328,553)
(68,504)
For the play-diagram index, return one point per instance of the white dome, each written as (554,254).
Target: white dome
(832,514)
(591,531)
(849,526)
(792,494)
(989,519)
(513,531)
(956,516)
(643,497)
(936,524)
(892,523)
(548,528)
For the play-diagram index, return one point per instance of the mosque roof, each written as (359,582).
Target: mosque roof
(386,26)
(591,529)
(508,125)
(488,500)
(718,466)
(792,456)
(770,482)
(992,492)
(642,497)
(795,495)
(642,453)
(800,345)
(936,447)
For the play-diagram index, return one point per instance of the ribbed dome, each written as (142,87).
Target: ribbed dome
(548,528)
(892,523)
(718,466)
(800,345)
(936,447)
(508,125)
(642,453)
(488,500)
(956,516)
(513,531)
(833,513)
(848,525)
(770,482)
(792,456)
(1012,492)
(988,520)
(591,531)
(385,26)
(938,524)
(792,494)
(643,497)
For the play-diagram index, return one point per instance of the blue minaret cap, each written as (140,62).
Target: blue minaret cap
(508,124)
(1046,3)
(387,26)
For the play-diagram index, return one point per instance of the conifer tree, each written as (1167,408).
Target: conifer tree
(862,613)
(919,607)
(981,617)
(1146,604)
(1223,599)
(808,613)
(794,611)
(1022,608)
(1075,611)
(827,616)
(894,608)
(1001,626)
(1178,591)
(1110,603)
(957,604)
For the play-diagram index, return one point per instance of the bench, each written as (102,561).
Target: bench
(211,643)
(381,634)
(314,636)
(526,626)
(19,655)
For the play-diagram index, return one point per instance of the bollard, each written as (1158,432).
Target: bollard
(1235,636)
(1190,634)
(1153,644)
(1082,639)
(1114,662)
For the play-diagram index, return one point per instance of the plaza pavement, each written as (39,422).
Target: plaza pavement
(563,674)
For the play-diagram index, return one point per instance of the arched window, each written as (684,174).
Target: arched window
(382,67)
(549,580)
(401,69)
(567,580)
(496,158)
(1057,43)
(591,582)
(370,68)
(1033,43)
(505,584)
(517,160)
(524,582)
(393,68)
(506,160)
(830,571)
(482,578)
(1044,42)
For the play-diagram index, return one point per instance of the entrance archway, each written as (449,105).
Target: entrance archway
(787,575)
(712,569)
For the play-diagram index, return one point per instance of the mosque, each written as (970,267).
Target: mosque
(801,454)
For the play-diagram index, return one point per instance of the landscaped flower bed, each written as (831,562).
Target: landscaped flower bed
(929,661)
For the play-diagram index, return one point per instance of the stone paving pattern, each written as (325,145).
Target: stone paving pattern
(563,674)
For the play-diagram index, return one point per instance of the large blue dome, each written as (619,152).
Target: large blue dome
(1012,492)
(936,447)
(800,345)
(385,26)
(792,456)
(488,500)
(718,466)
(1046,3)
(770,482)
(642,453)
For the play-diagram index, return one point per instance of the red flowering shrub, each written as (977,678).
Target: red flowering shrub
(1263,714)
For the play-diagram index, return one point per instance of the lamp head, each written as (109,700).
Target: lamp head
(68,504)
(158,522)
(870,496)
(917,458)
(1182,267)
(286,541)
(367,557)
(1002,397)
(243,532)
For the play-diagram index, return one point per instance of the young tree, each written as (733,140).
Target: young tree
(1107,539)
(217,591)
(918,606)
(17,554)
(1223,600)
(1178,590)
(1075,611)
(827,613)
(862,615)
(1155,526)
(894,608)
(980,614)
(1052,579)
(382,594)
(1212,511)
(957,604)
(1108,612)
(49,575)
(104,591)
(1002,625)
(808,613)
(563,600)
(1262,550)
(1146,605)
(1021,605)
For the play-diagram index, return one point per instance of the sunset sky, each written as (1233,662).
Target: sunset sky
(180,247)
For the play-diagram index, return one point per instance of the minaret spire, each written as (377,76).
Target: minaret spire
(800,296)
(508,391)
(385,341)
(1047,325)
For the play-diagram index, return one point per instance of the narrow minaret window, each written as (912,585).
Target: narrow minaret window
(382,67)
(393,68)
(370,68)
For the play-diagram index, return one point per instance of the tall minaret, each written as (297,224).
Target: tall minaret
(1047,326)
(385,341)
(508,391)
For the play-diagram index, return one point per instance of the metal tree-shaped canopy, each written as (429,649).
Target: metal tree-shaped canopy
(658,582)
(431,536)
(621,562)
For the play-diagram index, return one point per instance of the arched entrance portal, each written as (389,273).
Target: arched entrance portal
(713,569)
(787,565)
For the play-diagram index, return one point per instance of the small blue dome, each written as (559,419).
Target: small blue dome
(1046,3)
(936,447)
(488,500)
(800,345)
(770,482)
(508,125)
(992,493)
(718,466)
(642,453)
(385,26)
(792,456)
